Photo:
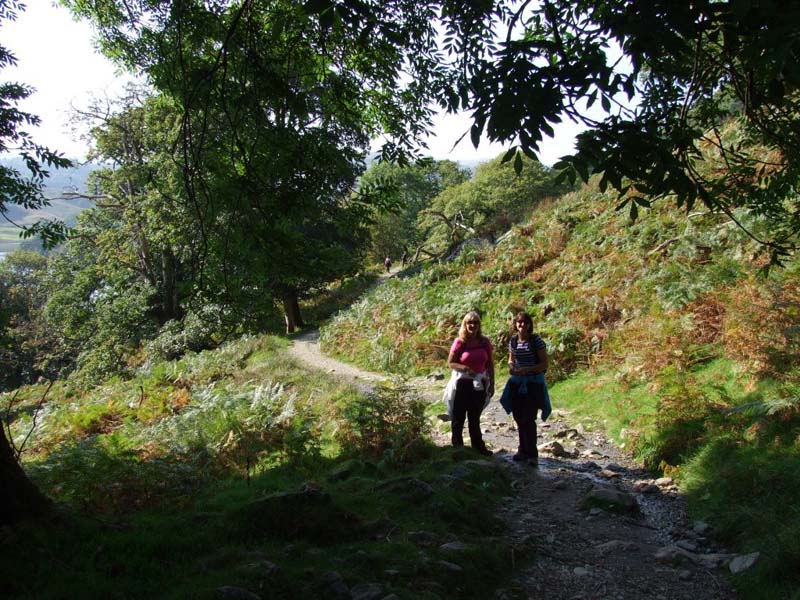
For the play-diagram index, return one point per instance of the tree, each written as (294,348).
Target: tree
(411,190)
(659,74)
(24,337)
(19,498)
(141,223)
(275,124)
(488,204)
(665,78)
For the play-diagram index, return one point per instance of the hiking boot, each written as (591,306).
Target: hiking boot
(519,457)
(485,451)
(534,462)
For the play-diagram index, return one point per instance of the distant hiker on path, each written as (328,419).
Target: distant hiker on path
(404,257)
(387,262)
(526,390)
(472,361)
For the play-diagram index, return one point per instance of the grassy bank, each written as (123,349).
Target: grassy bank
(737,464)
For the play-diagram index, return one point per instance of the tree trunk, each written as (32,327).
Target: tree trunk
(170,283)
(298,318)
(19,498)
(291,311)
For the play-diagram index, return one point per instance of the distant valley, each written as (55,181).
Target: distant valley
(59,183)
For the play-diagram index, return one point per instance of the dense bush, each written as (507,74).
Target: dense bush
(388,423)
(197,330)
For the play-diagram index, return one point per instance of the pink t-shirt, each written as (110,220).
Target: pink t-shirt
(475,354)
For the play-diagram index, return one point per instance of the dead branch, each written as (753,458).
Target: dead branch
(7,419)
(18,451)
(662,246)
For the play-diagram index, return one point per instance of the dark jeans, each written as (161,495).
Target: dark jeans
(468,404)
(524,407)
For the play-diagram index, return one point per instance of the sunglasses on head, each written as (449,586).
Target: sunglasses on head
(473,322)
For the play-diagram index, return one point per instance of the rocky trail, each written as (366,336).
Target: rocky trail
(599,525)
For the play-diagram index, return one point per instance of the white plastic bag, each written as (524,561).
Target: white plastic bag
(481,382)
(450,392)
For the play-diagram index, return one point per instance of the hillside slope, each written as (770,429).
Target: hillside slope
(665,330)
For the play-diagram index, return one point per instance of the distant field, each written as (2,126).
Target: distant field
(62,209)
(59,210)
(9,238)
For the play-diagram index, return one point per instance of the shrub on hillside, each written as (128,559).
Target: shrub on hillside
(198,330)
(388,423)
(762,328)
(689,413)
(235,428)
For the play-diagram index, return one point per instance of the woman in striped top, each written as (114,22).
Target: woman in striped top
(527,363)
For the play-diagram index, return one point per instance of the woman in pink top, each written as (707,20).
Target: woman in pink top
(472,355)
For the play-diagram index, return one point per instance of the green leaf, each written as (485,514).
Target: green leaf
(528,151)
(509,154)
(582,168)
(518,163)
(562,164)
(561,177)
(475,134)
(315,7)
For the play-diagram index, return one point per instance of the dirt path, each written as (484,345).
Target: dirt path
(306,349)
(649,551)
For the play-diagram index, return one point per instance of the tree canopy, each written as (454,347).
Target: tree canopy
(275,112)
(410,190)
(495,198)
(668,76)
(663,77)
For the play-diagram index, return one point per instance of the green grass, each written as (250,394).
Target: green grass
(190,549)
(171,484)
(738,464)
(743,490)
(603,403)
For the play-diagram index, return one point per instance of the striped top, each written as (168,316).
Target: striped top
(524,354)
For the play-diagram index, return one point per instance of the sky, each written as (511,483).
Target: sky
(56,55)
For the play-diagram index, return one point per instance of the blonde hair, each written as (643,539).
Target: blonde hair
(463,334)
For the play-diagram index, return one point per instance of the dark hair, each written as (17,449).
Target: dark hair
(524,317)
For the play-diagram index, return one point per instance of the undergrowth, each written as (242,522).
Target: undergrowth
(666,333)
(239,468)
